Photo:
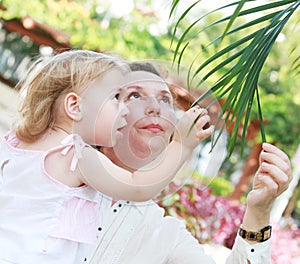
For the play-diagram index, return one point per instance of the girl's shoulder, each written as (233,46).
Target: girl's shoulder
(72,147)
(61,161)
(74,140)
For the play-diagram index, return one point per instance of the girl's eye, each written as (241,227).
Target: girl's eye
(117,96)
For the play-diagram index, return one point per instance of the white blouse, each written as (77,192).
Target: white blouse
(136,233)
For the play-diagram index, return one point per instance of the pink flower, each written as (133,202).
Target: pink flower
(216,219)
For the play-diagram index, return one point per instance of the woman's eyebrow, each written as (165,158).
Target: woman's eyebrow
(144,90)
(136,87)
(164,92)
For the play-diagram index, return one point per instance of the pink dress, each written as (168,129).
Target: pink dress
(41,219)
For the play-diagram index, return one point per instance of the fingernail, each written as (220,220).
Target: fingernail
(206,125)
(264,165)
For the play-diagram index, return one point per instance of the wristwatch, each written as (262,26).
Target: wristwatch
(260,236)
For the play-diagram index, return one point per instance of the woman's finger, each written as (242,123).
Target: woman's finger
(276,174)
(277,161)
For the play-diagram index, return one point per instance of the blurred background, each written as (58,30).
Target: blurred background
(143,30)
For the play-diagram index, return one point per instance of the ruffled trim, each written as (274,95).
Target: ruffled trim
(11,139)
(78,221)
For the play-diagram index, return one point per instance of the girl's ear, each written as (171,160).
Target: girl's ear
(72,106)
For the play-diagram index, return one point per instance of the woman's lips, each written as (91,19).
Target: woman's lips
(154,128)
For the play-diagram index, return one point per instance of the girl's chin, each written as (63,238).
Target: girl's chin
(119,135)
(113,141)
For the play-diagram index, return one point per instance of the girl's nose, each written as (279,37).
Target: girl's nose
(152,106)
(123,108)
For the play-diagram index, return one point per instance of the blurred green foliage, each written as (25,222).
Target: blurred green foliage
(220,186)
(91,26)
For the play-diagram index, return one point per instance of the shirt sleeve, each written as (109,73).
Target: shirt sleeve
(243,252)
(188,250)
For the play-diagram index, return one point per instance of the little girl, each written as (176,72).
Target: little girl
(49,202)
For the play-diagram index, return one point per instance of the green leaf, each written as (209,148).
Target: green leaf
(234,16)
(248,55)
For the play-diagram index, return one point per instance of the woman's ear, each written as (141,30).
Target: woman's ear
(72,106)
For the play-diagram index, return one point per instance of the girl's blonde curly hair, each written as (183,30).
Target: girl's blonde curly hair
(70,71)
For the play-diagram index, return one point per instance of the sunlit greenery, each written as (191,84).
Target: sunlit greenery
(91,25)
(244,60)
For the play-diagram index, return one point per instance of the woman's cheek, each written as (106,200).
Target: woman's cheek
(136,106)
(171,117)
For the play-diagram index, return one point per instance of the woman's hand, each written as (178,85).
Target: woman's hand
(271,179)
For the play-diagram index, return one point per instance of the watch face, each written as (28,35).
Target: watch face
(251,236)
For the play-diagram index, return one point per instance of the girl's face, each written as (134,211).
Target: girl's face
(150,121)
(103,111)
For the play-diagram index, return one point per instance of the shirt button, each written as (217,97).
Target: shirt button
(85,259)
(252,249)
(115,210)
(120,205)
(99,228)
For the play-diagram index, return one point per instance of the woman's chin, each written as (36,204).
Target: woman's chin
(156,146)
(150,151)
(138,153)
(135,160)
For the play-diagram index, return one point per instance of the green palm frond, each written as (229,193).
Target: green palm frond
(239,63)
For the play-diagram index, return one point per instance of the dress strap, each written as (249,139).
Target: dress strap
(76,142)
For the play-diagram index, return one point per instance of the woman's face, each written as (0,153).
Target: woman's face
(150,121)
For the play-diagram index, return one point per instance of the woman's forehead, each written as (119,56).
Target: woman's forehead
(146,81)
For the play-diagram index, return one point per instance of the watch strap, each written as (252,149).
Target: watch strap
(260,236)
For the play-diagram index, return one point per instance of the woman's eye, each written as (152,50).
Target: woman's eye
(165,99)
(117,96)
(133,95)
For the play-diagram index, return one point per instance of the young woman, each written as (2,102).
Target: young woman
(139,232)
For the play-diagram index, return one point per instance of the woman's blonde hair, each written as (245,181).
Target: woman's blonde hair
(70,71)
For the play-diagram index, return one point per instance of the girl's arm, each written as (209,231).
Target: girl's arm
(100,173)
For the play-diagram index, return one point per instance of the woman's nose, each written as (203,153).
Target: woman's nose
(152,106)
